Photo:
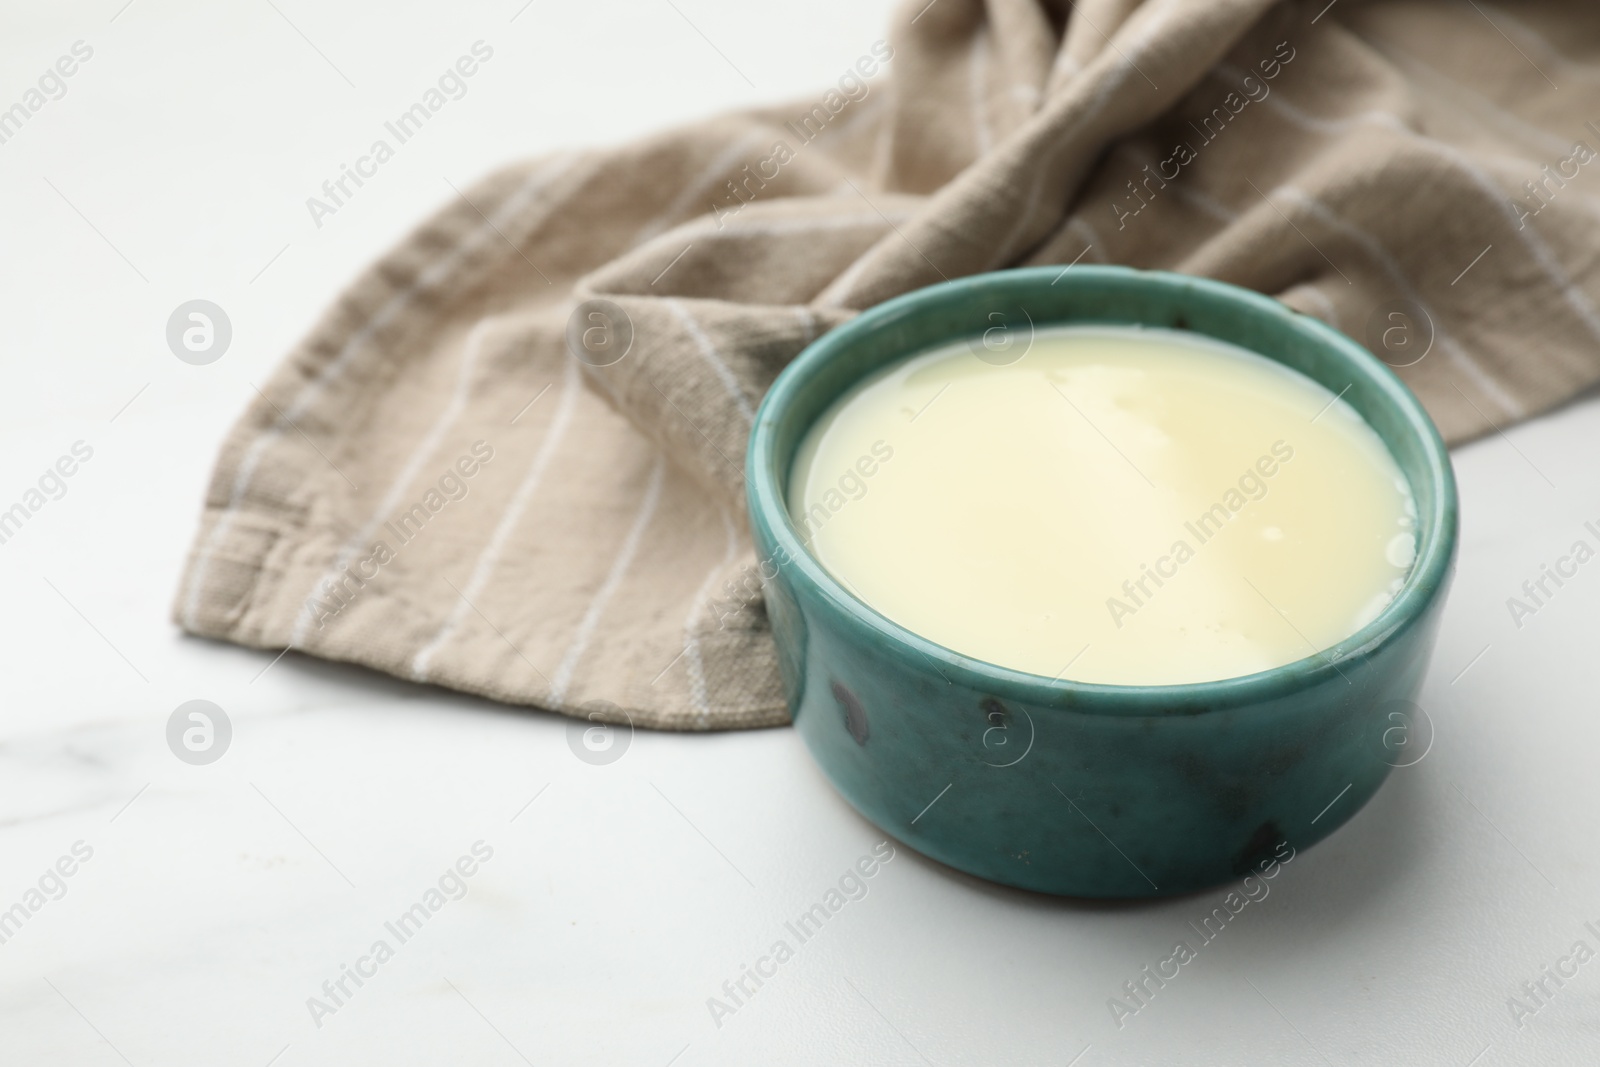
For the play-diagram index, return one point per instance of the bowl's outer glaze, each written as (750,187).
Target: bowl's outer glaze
(1094,790)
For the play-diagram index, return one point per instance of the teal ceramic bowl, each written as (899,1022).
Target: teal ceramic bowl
(1072,788)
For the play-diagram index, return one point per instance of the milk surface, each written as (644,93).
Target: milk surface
(1119,505)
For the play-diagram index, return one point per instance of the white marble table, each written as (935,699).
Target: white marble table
(215,900)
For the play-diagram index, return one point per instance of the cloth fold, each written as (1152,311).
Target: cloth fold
(509,459)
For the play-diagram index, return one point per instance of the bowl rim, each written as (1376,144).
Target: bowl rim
(769,512)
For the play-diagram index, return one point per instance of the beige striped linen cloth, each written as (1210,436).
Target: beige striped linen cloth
(432,485)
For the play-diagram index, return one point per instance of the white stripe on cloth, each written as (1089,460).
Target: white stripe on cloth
(619,569)
(838,290)
(808,323)
(719,165)
(713,358)
(1091,240)
(1205,204)
(571,387)
(402,481)
(978,92)
(693,664)
(778,227)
